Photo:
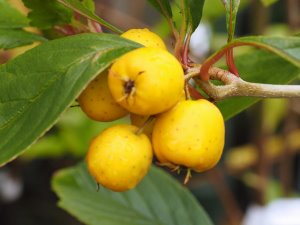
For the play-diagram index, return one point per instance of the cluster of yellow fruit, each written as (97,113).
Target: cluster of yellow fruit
(148,83)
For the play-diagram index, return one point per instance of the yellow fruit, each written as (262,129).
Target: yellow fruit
(144,37)
(146,81)
(119,158)
(191,135)
(97,102)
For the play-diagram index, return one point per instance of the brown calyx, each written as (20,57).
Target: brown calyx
(128,86)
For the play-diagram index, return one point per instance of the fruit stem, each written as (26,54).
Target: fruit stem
(187,91)
(141,129)
(185,52)
(195,94)
(170,165)
(187,176)
(98,187)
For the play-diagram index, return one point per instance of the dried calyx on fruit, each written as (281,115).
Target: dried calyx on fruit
(146,81)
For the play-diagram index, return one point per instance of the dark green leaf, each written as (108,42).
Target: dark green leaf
(231,7)
(193,12)
(16,38)
(10,17)
(80,8)
(163,6)
(89,4)
(158,200)
(195,7)
(36,87)
(45,14)
(261,67)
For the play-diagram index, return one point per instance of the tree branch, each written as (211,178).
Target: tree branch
(235,86)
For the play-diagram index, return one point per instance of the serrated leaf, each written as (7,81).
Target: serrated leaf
(36,87)
(231,7)
(158,199)
(46,14)
(80,8)
(261,67)
(16,38)
(10,17)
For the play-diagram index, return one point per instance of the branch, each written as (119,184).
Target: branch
(235,86)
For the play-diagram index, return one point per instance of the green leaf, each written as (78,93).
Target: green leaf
(80,8)
(286,47)
(16,38)
(158,199)
(193,12)
(231,7)
(261,67)
(10,17)
(89,4)
(36,87)
(163,6)
(46,14)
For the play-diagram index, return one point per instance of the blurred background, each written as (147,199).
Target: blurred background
(261,160)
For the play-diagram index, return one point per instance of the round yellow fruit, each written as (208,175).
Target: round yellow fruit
(146,81)
(144,37)
(191,135)
(119,158)
(97,102)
